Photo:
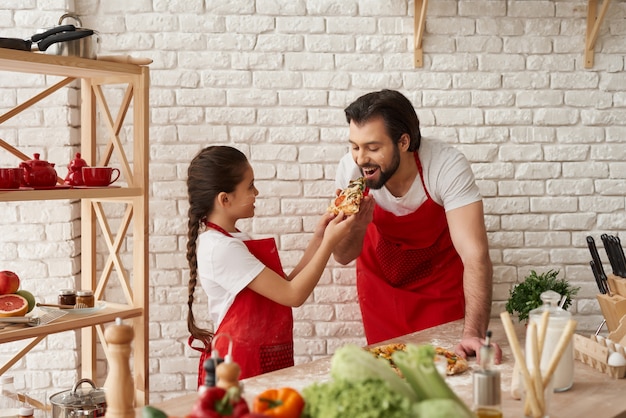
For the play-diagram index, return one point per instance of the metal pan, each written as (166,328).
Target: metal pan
(33,42)
(85,46)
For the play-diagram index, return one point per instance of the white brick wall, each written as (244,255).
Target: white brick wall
(502,79)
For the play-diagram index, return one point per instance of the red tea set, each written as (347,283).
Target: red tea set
(39,174)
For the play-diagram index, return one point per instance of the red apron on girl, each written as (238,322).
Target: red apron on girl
(261,329)
(409,276)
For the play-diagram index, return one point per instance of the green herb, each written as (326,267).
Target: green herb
(526,296)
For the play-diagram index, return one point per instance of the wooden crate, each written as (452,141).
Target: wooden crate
(594,351)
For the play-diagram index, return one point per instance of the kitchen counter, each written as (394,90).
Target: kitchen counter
(593,394)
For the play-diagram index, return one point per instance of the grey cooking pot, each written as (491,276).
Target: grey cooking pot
(84,42)
(79,402)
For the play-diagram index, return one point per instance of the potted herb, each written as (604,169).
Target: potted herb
(526,296)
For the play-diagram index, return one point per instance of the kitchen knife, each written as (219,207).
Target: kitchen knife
(610,252)
(621,258)
(591,243)
(597,277)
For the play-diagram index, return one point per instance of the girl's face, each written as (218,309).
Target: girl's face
(242,199)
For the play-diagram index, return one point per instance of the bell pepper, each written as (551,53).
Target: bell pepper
(282,403)
(215,402)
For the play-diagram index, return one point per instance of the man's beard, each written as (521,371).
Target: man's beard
(385,174)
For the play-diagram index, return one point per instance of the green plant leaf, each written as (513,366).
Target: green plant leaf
(526,296)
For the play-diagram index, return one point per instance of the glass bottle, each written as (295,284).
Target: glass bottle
(487,390)
(9,402)
(563,377)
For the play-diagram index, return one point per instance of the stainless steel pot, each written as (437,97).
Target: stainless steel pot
(79,402)
(86,46)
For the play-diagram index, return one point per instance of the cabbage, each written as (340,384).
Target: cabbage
(355,364)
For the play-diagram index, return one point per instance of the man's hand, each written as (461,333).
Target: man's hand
(471,346)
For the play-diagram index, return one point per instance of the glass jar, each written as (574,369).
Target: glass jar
(563,377)
(85,297)
(67,297)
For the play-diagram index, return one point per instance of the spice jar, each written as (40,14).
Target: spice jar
(85,297)
(26,412)
(67,297)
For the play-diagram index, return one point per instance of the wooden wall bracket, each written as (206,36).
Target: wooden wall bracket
(594,20)
(418,31)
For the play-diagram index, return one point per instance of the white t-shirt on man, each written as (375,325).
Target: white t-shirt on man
(447,175)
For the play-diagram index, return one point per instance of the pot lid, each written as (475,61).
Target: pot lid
(80,397)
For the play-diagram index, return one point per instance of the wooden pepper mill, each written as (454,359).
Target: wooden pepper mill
(119,386)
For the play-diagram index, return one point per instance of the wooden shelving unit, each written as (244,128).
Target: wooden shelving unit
(95,76)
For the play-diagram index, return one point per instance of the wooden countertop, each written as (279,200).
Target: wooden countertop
(594,394)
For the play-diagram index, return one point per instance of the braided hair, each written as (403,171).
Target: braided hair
(213,170)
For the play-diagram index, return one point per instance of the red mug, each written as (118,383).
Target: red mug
(10,178)
(99,176)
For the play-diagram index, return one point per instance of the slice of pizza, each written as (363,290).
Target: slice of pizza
(454,364)
(350,198)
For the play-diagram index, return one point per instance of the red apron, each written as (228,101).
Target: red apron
(409,276)
(261,329)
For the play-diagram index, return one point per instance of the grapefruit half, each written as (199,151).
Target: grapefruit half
(13,305)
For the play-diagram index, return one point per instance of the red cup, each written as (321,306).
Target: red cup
(99,176)
(10,178)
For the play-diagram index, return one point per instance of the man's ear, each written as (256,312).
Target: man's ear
(404,142)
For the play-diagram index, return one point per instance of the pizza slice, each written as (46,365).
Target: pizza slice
(350,198)
(454,364)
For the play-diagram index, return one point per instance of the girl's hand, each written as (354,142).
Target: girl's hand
(338,228)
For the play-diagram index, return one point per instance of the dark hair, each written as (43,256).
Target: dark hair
(213,170)
(395,109)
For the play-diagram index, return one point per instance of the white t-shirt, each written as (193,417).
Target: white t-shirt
(225,268)
(447,175)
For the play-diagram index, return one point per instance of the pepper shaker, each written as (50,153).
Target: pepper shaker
(120,389)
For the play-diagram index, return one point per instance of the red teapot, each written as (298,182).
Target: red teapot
(38,173)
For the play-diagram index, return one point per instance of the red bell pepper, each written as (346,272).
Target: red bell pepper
(216,402)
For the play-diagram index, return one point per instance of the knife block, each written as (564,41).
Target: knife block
(617,284)
(613,308)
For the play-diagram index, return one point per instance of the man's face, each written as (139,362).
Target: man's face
(374,152)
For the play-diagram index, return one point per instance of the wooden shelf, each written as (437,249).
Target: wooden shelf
(95,76)
(58,194)
(38,63)
(70,322)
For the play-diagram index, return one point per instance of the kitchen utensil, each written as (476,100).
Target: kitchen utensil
(618,250)
(41,41)
(100,176)
(608,247)
(591,243)
(84,46)
(74,171)
(10,178)
(33,321)
(38,173)
(596,275)
(79,402)
(52,305)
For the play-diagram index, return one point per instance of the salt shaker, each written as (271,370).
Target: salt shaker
(487,391)
(563,377)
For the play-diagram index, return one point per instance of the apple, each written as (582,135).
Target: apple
(9,282)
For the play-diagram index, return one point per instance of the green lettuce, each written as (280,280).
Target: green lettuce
(370,398)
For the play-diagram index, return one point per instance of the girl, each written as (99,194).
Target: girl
(250,298)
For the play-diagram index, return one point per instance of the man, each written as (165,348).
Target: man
(419,238)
